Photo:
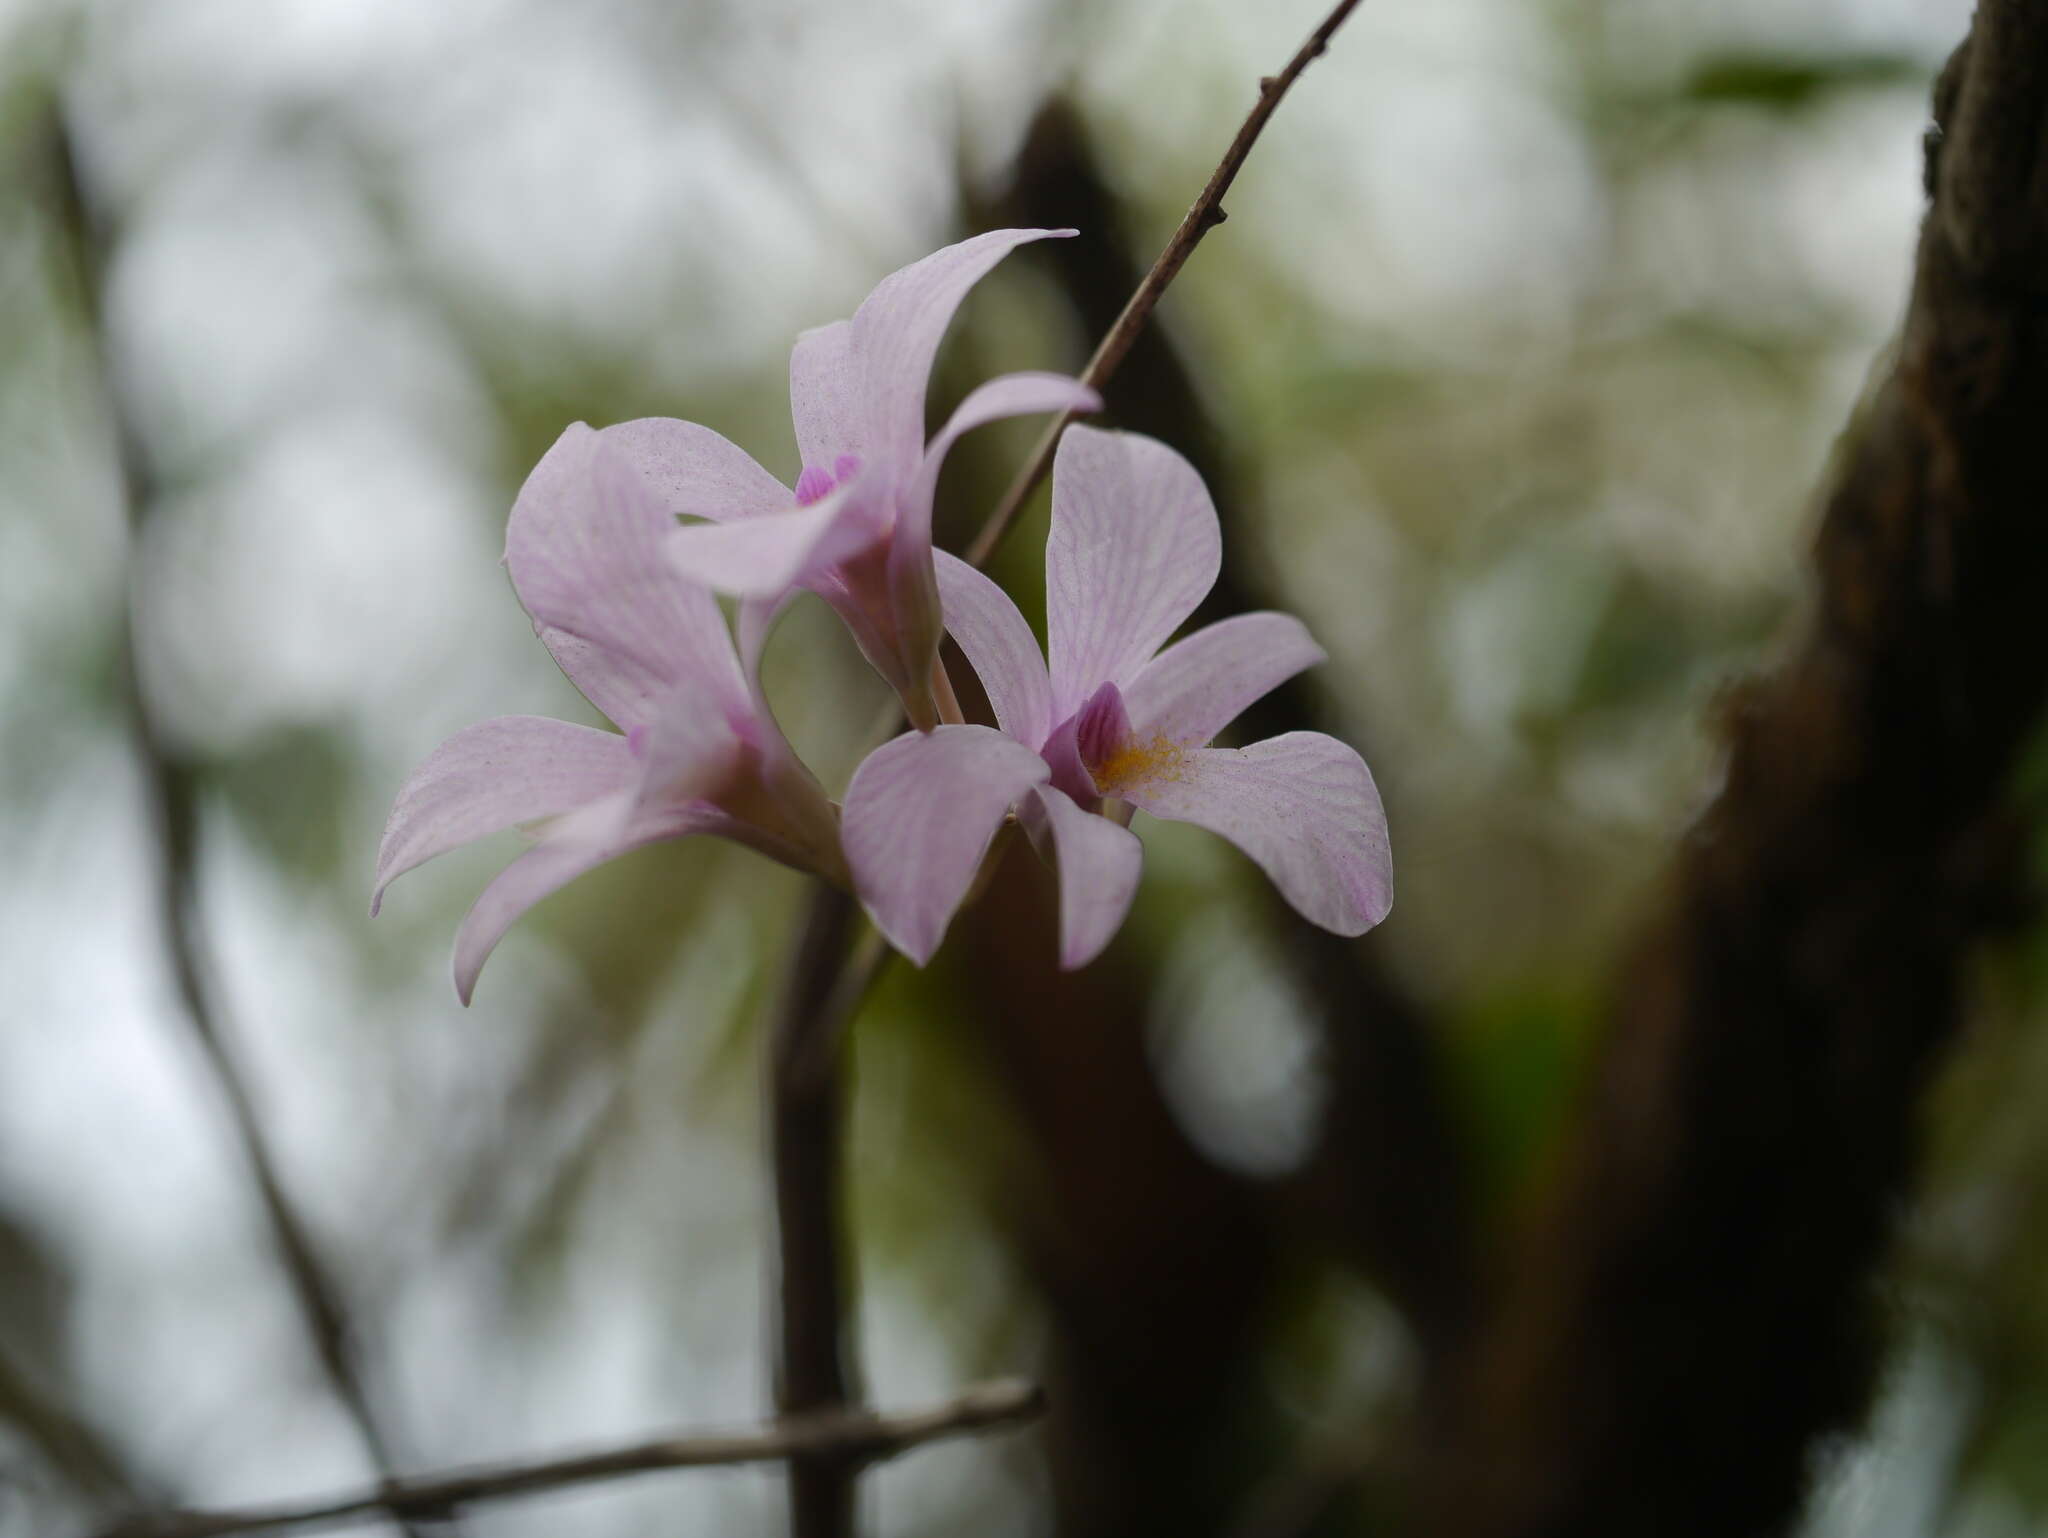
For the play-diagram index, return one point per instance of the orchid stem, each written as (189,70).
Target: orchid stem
(816,1359)
(816,1363)
(1204,216)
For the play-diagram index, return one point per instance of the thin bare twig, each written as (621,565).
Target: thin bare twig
(855,1438)
(172,809)
(806,1098)
(1204,216)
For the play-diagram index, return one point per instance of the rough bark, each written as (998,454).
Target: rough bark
(1696,1309)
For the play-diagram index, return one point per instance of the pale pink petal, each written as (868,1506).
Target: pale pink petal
(1198,686)
(584,547)
(492,776)
(1135,545)
(1000,647)
(688,750)
(694,473)
(1010,395)
(765,557)
(827,397)
(566,853)
(1099,864)
(920,814)
(896,334)
(1303,806)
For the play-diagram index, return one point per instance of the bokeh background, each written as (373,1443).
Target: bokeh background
(1515,370)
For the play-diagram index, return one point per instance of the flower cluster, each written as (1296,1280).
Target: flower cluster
(621,538)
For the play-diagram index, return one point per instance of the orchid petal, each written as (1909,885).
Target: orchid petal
(1135,545)
(828,399)
(688,750)
(695,473)
(896,334)
(1009,395)
(584,549)
(1304,807)
(827,396)
(920,814)
(1099,864)
(492,776)
(1000,647)
(574,847)
(1199,685)
(765,557)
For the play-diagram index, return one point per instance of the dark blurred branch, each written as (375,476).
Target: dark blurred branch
(1204,216)
(1696,1309)
(170,794)
(70,1446)
(854,1439)
(815,1355)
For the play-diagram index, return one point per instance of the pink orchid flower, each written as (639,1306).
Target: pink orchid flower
(1114,723)
(857,526)
(700,752)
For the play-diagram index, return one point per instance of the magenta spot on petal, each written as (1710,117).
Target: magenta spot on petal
(636,741)
(845,467)
(1100,726)
(812,485)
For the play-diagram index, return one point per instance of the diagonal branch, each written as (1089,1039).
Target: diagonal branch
(855,1438)
(172,807)
(1695,1311)
(1203,217)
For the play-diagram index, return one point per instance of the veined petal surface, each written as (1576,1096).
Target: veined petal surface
(765,557)
(584,548)
(1008,395)
(695,473)
(1135,545)
(897,330)
(920,814)
(828,395)
(581,842)
(495,775)
(1200,684)
(1000,647)
(1304,807)
(1099,865)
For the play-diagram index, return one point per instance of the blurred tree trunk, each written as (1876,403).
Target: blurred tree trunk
(1696,1308)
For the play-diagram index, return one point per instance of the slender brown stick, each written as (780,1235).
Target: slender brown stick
(1204,216)
(805,1102)
(169,793)
(815,1356)
(853,1438)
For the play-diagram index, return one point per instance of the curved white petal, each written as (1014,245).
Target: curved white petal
(1198,685)
(584,548)
(896,334)
(827,397)
(920,814)
(581,842)
(1008,395)
(765,557)
(695,473)
(492,776)
(1304,807)
(1099,865)
(999,645)
(1135,545)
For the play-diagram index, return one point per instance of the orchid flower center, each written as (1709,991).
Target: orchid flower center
(816,483)
(1115,757)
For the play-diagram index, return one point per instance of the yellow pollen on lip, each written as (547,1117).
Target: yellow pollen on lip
(1135,763)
